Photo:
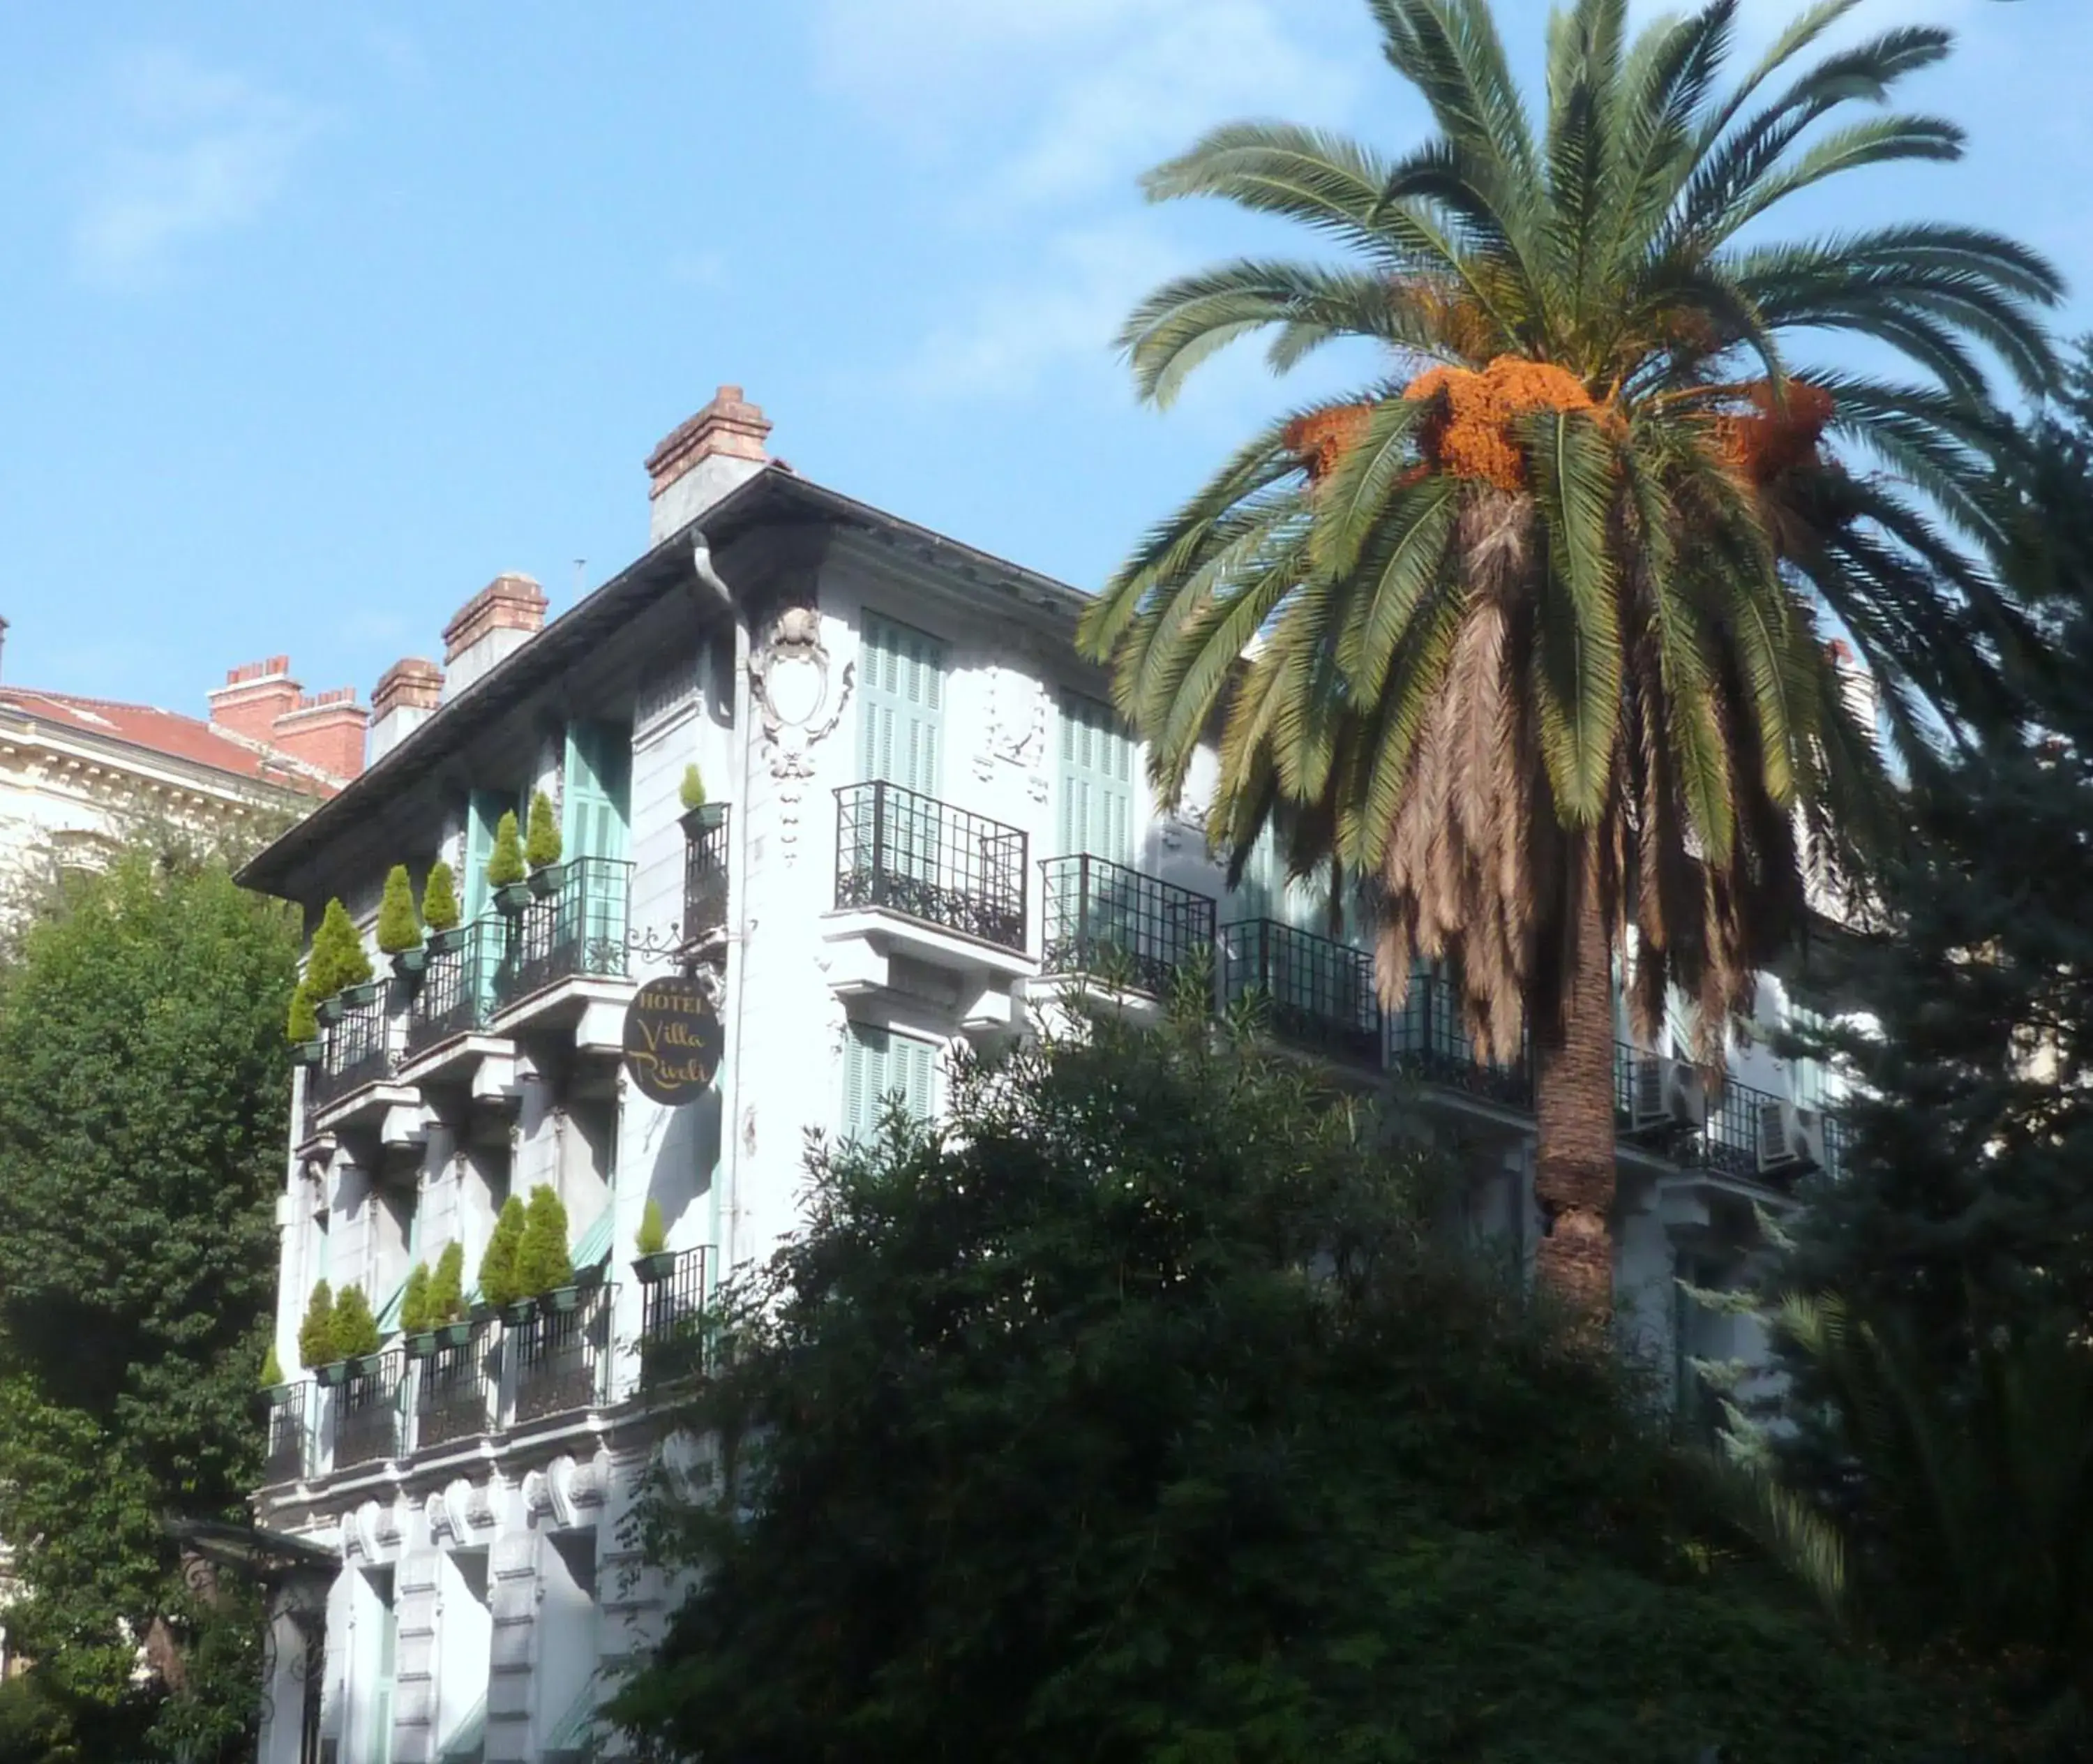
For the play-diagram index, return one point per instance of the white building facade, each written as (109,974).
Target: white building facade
(923,823)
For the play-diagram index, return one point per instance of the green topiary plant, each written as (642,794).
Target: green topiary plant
(399,926)
(446,1299)
(693,789)
(339,957)
(355,1330)
(497,1268)
(440,901)
(504,865)
(415,1301)
(541,843)
(272,1371)
(542,1261)
(653,1237)
(304,1026)
(316,1334)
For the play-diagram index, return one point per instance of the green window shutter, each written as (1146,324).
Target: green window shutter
(901,700)
(1096,782)
(484,809)
(878,1064)
(596,790)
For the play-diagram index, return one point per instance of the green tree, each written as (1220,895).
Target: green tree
(1532,635)
(399,925)
(542,1261)
(415,1301)
(446,1300)
(143,1074)
(338,957)
(316,1332)
(272,1369)
(303,1024)
(691,791)
(439,902)
(1141,1414)
(504,863)
(653,1234)
(497,1265)
(355,1328)
(541,843)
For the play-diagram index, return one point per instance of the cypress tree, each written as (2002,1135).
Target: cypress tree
(497,1267)
(541,843)
(439,902)
(316,1334)
(355,1328)
(504,863)
(399,928)
(542,1261)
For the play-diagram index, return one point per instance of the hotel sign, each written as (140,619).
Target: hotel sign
(672,1040)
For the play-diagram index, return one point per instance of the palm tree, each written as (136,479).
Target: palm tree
(1531,639)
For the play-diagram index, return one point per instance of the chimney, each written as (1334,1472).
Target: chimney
(254,696)
(406,696)
(719,448)
(497,622)
(325,731)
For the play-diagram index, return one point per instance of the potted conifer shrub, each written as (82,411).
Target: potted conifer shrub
(340,966)
(692,793)
(419,1340)
(543,1268)
(446,1302)
(316,1337)
(272,1370)
(304,1026)
(506,871)
(400,927)
(440,910)
(655,1261)
(542,846)
(498,1288)
(356,1337)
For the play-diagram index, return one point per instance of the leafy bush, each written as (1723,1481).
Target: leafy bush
(653,1237)
(541,844)
(355,1328)
(446,1299)
(316,1334)
(399,928)
(693,791)
(440,901)
(504,863)
(339,957)
(542,1261)
(272,1369)
(304,1024)
(415,1301)
(497,1267)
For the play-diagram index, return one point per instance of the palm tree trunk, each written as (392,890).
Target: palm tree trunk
(1573,1180)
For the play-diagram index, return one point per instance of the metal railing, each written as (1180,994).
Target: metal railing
(353,1052)
(671,1314)
(578,930)
(911,854)
(285,1435)
(366,1414)
(560,1358)
(450,1394)
(1428,1039)
(1732,1139)
(704,870)
(457,985)
(1102,917)
(1316,992)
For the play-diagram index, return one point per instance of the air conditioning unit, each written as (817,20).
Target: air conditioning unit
(1789,1137)
(1664,1092)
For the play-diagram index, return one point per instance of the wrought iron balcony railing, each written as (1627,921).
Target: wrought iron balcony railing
(1102,918)
(1316,993)
(671,1320)
(911,854)
(353,1052)
(578,931)
(450,1394)
(366,1414)
(1742,1131)
(285,1437)
(1428,1039)
(704,870)
(457,985)
(561,1358)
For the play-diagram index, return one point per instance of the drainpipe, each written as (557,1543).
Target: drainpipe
(701,562)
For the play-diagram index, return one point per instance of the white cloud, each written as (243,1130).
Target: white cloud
(192,151)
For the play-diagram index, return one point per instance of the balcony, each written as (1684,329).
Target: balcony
(448,1043)
(1106,921)
(1316,994)
(1741,1136)
(353,1084)
(450,1394)
(563,963)
(559,1360)
(1428,1039)
(366,1414)
(671,1312)
(705,873)
(285,1432)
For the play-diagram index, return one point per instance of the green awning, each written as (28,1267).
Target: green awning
(592,1248)
(388,1313)
(579,1731)
(464,1743)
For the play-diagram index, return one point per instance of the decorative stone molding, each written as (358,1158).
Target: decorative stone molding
(788,676)
(1019,715)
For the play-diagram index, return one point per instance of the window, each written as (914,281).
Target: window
(879,1063)
(1096,782)
(596,790)
(901,699)
(483,813)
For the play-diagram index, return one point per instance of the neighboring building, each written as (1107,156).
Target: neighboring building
(77,774)
(924,825)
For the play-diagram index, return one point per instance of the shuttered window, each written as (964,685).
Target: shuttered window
(596,790)
(878,1064)
(1096,782)
(901,699)
(483,811)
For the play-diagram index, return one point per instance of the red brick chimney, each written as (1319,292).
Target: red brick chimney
(720,447)
(497,622)
(262,705)
(406,696)
(255,694)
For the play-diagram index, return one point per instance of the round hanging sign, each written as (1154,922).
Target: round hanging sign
(672,1040)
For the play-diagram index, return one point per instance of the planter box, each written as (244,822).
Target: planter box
(421,1344)
(367,1365)
(355,997)
(483,1312)
(651,1270)
(453,1334)
(513,897)
(442,943)
(408,963)
(332,1376)
(329,1010)
(305,1053)
(544,883)
(516,1316)
(564,1298)
(695,820)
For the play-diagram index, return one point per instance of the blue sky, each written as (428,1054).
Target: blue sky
(318,317)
